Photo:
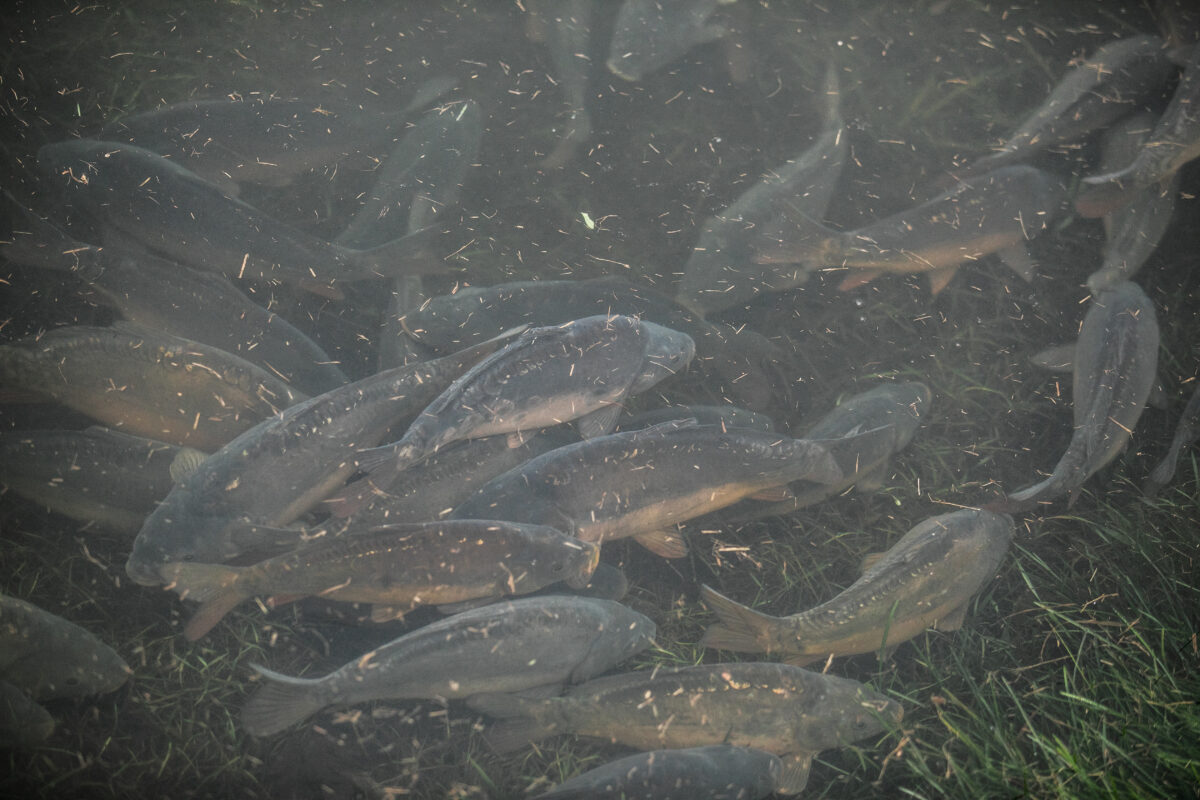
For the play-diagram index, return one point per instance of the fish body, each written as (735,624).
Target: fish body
(507,647)
(779,708)
(926,579)
(726,416)
(98,476)
(1174,142)
(1113,81)
(1132,232)
(580,371)
(642,483)
(48,657)
(566,28)
(714,772)
(992,213)
(398,566)
(649,34)
(1115,363)
(147,383)
(153,201)
(283,467)
(1186,433)
(721,271)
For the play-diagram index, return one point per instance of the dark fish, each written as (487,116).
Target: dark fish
(726,416)
(98,476)
(23,723)
(721,271)
(1115,362)
(1174,142)
(582,370)
(283,467)
(649,34)
(566,28)
(267,141)
(1098,91)
(151,200)
(992,213)
(1186,433)
(395,566)
(1132,232)
(925,580)
(643,483)
(147,383)
(863,460)
(507,647)
(201,306)
(48,657)
(715,772)
(778,708)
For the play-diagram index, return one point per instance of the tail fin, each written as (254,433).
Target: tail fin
(214,586)
(822,467)
(280,703)
(797,239)
(740,629)
(409,255)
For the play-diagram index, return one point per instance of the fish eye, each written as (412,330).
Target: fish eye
(557,566)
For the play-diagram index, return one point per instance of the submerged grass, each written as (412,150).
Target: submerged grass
(1077,674)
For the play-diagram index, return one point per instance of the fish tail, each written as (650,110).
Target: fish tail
(280,703)
(214,586)
(740,629)
(412,254)
(802,241)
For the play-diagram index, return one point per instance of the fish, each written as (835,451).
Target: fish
(1116,359)
(49,658)
(23,723)
(431,489)
(566,30)
(925,580)
(513,646)
(739,366)
(1116,79)
(581,371)
(96,476)
(1132,232)
(201,306)
(1174,142)
(267,141)
(726,416)
(1187,430)
(642,483)
(721,271)
(138,196)
(235,501)
(996,212)
(779,708)
(714,772)
(398,567)
(896,407)
(649,34)
(146,383)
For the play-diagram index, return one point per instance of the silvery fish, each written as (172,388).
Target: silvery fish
(898,407)
(507,647)
(715,772)
(996,212)
(721,271)
(726,416)
(1113,81)
(925,580)
(649,34)
(268,141)
(1174,142)
(147,383)
(397,567)
(778,708)
(48,657)
(149,199)
(1132,232)
(1115,362)
(1186,433)
(283,467)
(642,483)
(202,306)
(580,371)
(96,476)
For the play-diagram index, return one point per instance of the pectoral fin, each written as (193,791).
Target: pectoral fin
(668,544)
(953,619)
(940,278)
(1017,259)
(859,277)
(870,560)
(599,422)
(773,494)
(794,777)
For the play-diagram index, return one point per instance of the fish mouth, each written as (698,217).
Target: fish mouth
(143,573)
(583,577)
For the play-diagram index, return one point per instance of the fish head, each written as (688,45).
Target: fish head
(624,634)
(850,711)
(165,538)
(577,562)
(666,352)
